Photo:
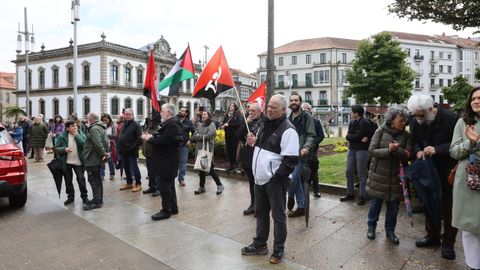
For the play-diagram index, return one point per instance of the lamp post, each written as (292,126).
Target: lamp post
(75,18)
(29,45)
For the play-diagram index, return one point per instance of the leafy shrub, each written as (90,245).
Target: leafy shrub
(340,147)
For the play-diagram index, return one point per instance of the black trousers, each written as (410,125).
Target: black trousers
(313,165)
(95,181)
(251,184)
(168,194)
(70,190)
(214,175)
(271,196)
(231,144)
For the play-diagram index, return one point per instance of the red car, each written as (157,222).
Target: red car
(13,171)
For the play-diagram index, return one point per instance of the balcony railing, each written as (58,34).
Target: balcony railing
(433,59)
(434,87)
(322,101)
(433,73)
(345,102)
(418,57)
(418,87)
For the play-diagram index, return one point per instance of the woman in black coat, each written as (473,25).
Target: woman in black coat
(231,123)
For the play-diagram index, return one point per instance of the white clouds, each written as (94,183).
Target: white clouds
(239,26)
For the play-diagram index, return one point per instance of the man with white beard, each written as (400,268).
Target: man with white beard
(432,130)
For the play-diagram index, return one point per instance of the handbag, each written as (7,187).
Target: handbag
(49,141)
(451,175)
(204,158)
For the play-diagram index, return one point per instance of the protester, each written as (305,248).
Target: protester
(432,134)
(188,129)
(57,127)
(313,162)
(254,121)
(94,155)
(198,115)
(69,149)
(231,122)
(147,149)
(357,155)
(465,210)
(274,159)
(24,123)
(112,135)
(17,135)
(206,132)
(38,135)
(307,134)
(119,164)
(166,142)
(389,149)
(129,142)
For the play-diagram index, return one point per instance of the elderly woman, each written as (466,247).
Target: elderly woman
(390,148)
(206,131)
(465,148)
(37,135)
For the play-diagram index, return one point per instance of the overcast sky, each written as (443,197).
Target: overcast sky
(239,26)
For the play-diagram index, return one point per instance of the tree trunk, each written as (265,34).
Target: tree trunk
(270,52)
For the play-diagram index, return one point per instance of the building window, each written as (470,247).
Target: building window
(128,103)
(140,106)
(344,58)
(408,52)
(56,107)
(114,106)
(70,106)
(341,77)
(417,83)
(70,76)
(128,76)
(41,107)
(432,68)
(308,79)
(114,74)
(440,55)
(86,75)
(29,78)
(308,59)
(262,77)
(294,59)
(449,82)
(321,76)
(475,55)
(432,55)
(323,58)
(449,56)
(440,82)
(440,68)
(188,86)
(7,97)
(280,61)
(323,96)
(41,79)
(432,81)
(308,97)
(281,81)
(417,52)
(86,106)
(461,56)
(449,69)
(294,80)
(55,78)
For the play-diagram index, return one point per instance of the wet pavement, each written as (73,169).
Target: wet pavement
(208,233)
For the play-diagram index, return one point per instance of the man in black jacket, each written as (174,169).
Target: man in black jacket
(432,132)
(188,129)
(23,122)
(276,150)
(313,162)
(166,156)
(231,123)
(129,142)
(255,122)
(357,156)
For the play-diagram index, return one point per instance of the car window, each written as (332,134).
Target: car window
(5,137)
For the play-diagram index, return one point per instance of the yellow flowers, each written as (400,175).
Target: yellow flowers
(220,137)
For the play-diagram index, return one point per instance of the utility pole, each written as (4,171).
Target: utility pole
(205,60)
(270,52)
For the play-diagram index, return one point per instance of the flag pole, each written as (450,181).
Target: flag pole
(241,108)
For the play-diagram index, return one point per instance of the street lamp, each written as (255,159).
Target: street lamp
(75,18)
(29,46)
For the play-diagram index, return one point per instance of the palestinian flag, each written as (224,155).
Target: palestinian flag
(150,87)
(259,96)
(182,70)
(215,79)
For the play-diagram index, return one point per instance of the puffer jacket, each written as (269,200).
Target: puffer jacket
(383,181)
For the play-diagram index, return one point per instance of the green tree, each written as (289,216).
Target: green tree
(456,93)
(460,14)
(14,111)
(477,73)
(380,72)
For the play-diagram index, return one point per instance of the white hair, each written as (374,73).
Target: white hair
(169,107)
(306,105)
(419,102)
(93,116)
(255,106)
(282,100)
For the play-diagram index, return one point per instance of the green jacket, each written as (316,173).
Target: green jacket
(96,145)
(306,131)
(37,135)
(465,208)
(62,142)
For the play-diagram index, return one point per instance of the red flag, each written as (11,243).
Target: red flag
(259,95)
(215,79)
(151,84)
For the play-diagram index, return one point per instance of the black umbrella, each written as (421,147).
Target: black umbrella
(56,167)
(306,188)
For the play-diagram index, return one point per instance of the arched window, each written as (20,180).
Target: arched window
(180,104)
(70,106)
(86,106)
(140,106)
(86,72)
(56,107)
(41,106)
(114,106)
(128,103)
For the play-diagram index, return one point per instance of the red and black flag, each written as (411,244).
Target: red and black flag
(259,96)
(215,79)
(151,84)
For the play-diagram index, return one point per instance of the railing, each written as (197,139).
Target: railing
(418,87)
(418,57)
(322,101)
(434,87)
(433,59)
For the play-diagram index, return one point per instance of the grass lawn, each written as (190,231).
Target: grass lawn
(332,140)
(332,168)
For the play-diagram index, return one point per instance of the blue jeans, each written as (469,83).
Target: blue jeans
(296,185)
(357,159)
(183,163)
(130,164)
(111,167)
(390,216)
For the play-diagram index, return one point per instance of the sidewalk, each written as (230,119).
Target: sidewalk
(210,230)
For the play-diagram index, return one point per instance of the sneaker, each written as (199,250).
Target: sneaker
(200,190)
(137,188)
(112,177)
(347,198)
(290,203)
(255,250)
(297,213)
(220,189)
(276,257)
(126,186)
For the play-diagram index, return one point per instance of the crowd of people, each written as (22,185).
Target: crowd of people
(277,151)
